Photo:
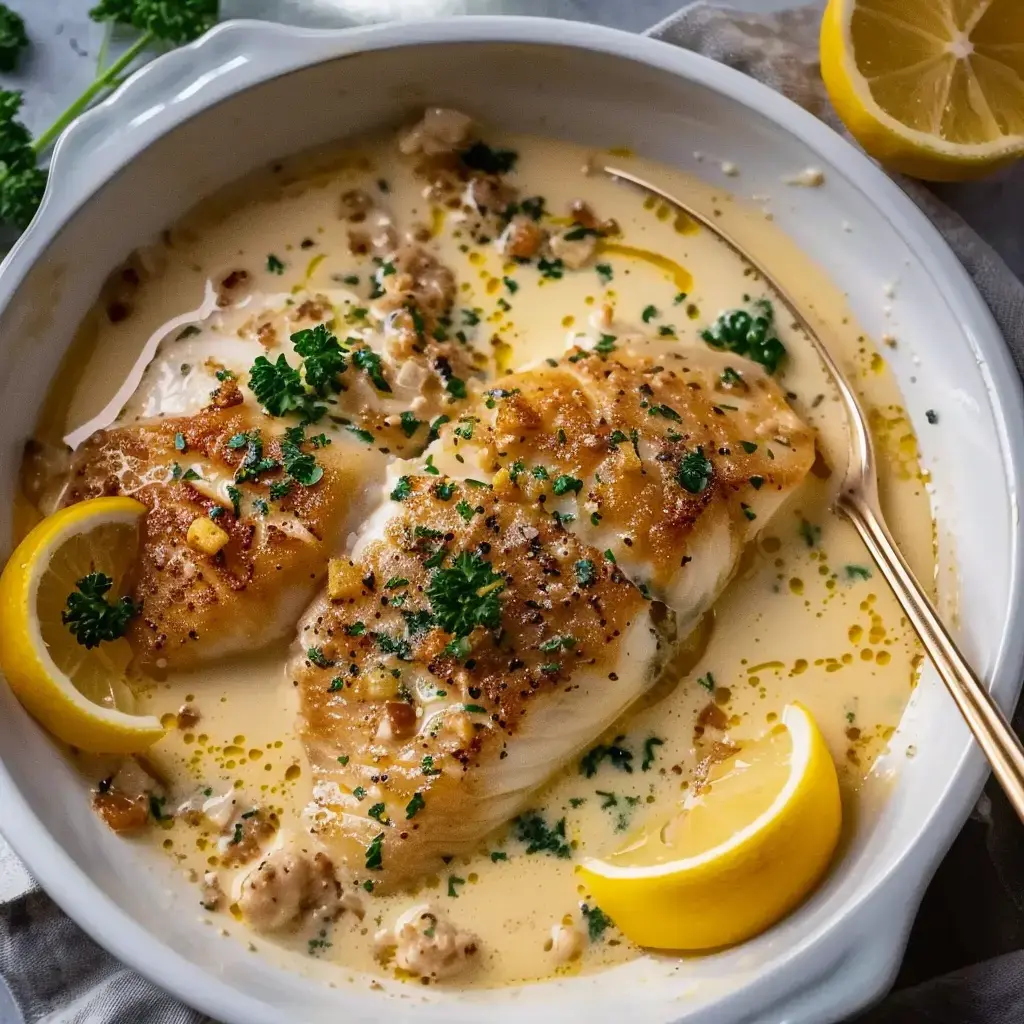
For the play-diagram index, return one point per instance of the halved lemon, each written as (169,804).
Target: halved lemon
(79,695)
(933,88)
(747,847)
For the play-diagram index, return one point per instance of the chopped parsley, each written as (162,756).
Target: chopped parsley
(748,446)
(597,921)
(481,157)
(90,617)
(410,424)
(299,465)
(356,629)
(857,572)
(317,657)
(466,595)
(456,387)
(402,489)
(618,756)
(604,272)
(369,362)
(748,334)
(649,313)
(810,533)
(666,411)
(274,265)
(427,766)
(586,572)
(558,643)
(707,681)
(649,744)
(563,484)
(377,813)
(323,359)
(453,881)
(531,828)
(278,388)
(551,269)
(931,416)
(236,500)
(417,803)
(465,510)
(374,854)
(511,285)
(695,471)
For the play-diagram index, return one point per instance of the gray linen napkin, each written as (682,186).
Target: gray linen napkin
(59,976)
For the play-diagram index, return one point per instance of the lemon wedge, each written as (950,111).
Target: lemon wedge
(79,695)
(933,88)
(750,843)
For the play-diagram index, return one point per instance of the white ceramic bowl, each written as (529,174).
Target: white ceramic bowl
(249,92)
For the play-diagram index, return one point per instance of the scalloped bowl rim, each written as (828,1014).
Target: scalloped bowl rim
(821,957)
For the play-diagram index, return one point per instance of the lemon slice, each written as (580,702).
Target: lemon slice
(750,843)
(79,695)
(933,88)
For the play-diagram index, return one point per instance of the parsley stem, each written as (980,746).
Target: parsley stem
(101,56)
(103,81)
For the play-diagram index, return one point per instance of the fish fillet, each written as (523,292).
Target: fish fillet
(651,466)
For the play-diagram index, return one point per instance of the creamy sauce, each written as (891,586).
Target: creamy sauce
(807,618)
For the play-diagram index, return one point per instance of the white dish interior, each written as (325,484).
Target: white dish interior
(843,946)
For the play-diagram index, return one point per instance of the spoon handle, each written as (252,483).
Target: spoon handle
(986,721)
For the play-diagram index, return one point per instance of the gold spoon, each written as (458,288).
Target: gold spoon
(858,501)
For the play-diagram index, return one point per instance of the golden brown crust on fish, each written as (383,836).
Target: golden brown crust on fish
(560,609)
(197,605)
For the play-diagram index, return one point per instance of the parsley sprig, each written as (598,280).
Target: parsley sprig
(466,595)
(91,617)
(22,182)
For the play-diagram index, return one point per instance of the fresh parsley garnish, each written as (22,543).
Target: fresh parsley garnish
(402,489)
(649,744)
(369,362)
(323,358)
(466,595)
(586,572)
(695,471)
(481,157)
(274,265)
(417,803)
(748,334)
(620,757)
(531,828)
(90,617)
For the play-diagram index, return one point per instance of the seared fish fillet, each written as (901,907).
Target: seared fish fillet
(583,488)
(671,457)
(197,605)
(424,731)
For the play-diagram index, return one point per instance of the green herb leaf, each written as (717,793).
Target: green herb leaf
(563,484)
(695,471)
(618,756)
(274,265)
(466,595)
(531,828)
(586,572)
(323,359)
(91,618)
(374,854)
(649,744)
(410,424)
(369,362)
(597,921)
(402,489)
(417,803)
